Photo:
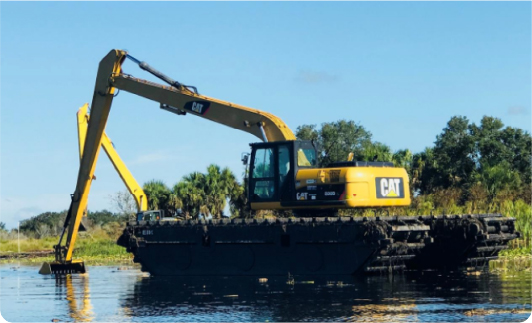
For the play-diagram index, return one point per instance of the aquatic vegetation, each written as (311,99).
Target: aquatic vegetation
(517,263)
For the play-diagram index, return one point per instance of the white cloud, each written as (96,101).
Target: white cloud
(150,158)
(314,77)
(517,110)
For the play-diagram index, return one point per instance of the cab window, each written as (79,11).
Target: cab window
(306,157)
(263,163)
(263,171)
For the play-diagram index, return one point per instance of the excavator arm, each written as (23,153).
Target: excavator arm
(263,125)
(133,187)
(101,105)
(177,98)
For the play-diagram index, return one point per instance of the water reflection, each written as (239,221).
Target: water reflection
(76,289)
(125,294)
(378,298)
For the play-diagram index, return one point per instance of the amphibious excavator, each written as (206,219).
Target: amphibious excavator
(283,174)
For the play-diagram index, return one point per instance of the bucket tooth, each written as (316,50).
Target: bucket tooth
(57,268)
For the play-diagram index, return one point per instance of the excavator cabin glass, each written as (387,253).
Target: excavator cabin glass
(274,166)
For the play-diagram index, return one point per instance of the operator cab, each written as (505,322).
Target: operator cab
(150,215)
(273,169)
(156,215)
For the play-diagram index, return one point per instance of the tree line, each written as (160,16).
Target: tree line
(50,224)
(485,163)
(478,166)
(470,168)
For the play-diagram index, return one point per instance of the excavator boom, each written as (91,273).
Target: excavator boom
(176,98)
(132,185)
(101,105)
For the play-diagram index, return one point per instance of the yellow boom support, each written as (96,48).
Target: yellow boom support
(132,185)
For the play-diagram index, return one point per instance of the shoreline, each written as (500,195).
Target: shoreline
(504,263)
(37,258)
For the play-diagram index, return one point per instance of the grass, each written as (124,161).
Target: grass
(513,263)
(96,248)
(27,245)
(89,260)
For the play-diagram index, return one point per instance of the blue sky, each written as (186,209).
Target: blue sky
(400,69)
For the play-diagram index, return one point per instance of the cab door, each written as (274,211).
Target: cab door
(285,170)
(263,185)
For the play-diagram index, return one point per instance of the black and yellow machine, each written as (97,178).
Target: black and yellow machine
(283,174)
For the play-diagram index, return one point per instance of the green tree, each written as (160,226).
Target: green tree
(489,146)
(191,191)
(375,151)
(454,152)
(47,222)
(519,142)
(498,179)
(238,203)
(160,197)
(503,153)
(335,140)
(104,217)
(475,158)
(208,194)
(425,177)
(220,186)
(403,158)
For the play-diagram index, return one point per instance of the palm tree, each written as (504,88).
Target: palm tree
(403,158)
(208,194)
(160,197)
(238,201)
(220,186)
(191,191)
(157,193)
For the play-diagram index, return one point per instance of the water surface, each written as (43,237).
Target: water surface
(112,294)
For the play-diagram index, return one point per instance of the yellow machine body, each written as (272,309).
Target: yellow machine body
(284,175)
(352,187)
(363,186)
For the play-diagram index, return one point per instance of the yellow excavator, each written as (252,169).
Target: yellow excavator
(283,171)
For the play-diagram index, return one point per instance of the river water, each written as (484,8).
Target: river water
(112,294)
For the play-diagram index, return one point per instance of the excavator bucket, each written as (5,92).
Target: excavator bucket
(57,268)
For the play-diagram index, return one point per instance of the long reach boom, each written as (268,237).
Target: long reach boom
(174,97)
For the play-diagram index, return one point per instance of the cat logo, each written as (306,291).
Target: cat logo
(197,107)
(389,187)
(302,196)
